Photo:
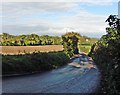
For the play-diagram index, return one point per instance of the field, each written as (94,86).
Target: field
(29,49)
(85,48)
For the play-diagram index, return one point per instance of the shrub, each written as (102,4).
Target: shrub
(33,62)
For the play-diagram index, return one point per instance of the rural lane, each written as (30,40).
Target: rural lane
(67,79)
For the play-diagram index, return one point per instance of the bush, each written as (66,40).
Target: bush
(33,62)
(106,55)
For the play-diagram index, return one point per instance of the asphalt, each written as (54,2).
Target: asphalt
(67,79)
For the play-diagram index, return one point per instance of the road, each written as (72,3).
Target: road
(67,79)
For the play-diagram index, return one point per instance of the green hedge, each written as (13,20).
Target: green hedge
(106,54)
(12,64)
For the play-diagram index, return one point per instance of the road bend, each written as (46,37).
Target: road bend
(67,79)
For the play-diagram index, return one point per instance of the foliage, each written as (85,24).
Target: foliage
(70,43)
(74,43)
(84,42)
(106,55)
(27,63)
(29,40)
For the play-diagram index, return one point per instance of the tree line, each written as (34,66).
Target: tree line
(34,39)
(71,41)
(29,40)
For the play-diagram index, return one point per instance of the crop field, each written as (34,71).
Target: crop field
(29,49)
(13,50)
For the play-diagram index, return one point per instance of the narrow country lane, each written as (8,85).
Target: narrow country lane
(67,79)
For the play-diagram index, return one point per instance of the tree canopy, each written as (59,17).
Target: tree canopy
(29,40)
(70,43)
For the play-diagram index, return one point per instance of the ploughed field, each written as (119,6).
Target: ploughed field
(29,49)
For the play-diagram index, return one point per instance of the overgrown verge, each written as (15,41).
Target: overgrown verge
(27,63)
(108,65)
(106,53)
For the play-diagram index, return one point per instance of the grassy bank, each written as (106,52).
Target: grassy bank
(17,64)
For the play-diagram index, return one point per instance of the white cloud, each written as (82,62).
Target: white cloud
(81,21)
(84,1)
(14,11)
(85,24)
(39,7)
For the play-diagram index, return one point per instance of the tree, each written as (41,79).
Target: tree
(114,22)
(22,42)
(70,43)
(40,42)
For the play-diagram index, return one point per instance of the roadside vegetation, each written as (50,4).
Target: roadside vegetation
(73,43)
(70,43)
(106,54)
(33,53)
(35,62)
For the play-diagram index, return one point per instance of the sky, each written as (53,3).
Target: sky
(55,18)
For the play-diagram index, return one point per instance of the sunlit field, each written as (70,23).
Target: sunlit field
(29,49)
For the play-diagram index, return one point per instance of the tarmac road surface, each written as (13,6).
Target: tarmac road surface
(67,79)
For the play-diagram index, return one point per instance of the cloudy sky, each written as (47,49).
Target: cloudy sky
(86,17)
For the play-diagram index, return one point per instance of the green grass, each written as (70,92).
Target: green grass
(85,48)
(16,64)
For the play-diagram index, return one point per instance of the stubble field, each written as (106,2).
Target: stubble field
(29,49)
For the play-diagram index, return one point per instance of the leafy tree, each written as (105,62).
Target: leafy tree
(16,43)
(22,42)
(57,40)
(40,42)
(70,43)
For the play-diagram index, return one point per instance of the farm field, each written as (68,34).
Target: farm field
(29,49)
(85,48)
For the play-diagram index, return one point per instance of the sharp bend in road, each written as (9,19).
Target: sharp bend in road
(67,79)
